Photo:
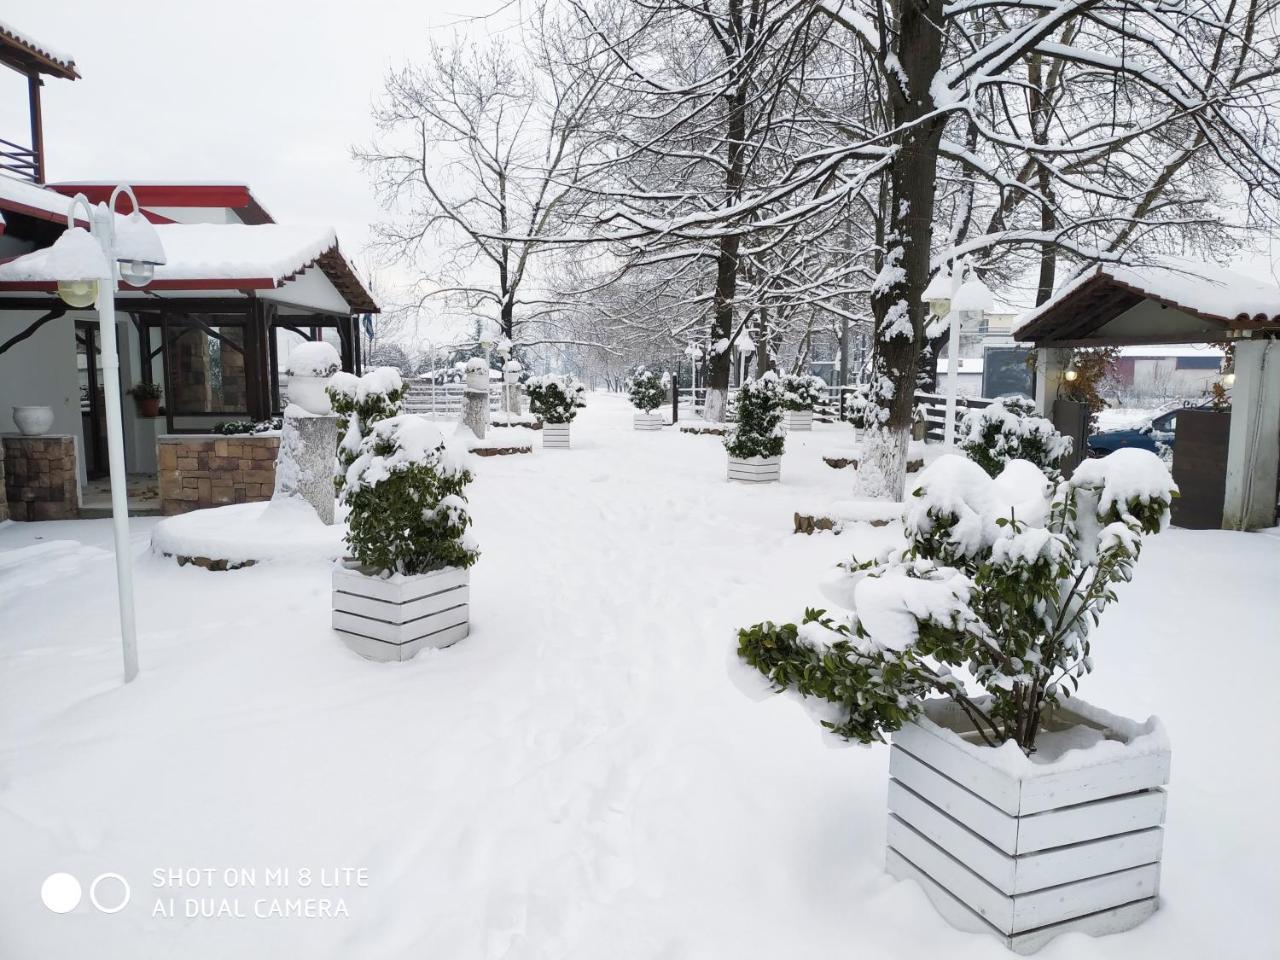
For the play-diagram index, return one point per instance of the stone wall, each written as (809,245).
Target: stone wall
(40,477)
(203,471)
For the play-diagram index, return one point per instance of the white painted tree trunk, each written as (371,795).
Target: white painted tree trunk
(475,411)
(882,465)
(715,408)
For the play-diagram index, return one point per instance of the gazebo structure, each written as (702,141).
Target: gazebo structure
(1181,301)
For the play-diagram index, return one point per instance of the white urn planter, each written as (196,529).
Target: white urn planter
(555,435)
(647,421)
(33,421)
(1067,841)
(799,420)
(308,392)
(394,618)
(756,469)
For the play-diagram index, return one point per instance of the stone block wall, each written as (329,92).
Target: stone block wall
(202,471)
(40,477)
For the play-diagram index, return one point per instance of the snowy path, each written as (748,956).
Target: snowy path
(579,778)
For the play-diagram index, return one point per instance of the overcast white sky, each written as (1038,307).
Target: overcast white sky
(271,93)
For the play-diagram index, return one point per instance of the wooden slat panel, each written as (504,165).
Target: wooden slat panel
(981,897)
(1087,821)
(399,632)
(970,809)
(992,785)
(401,590)
(1094,783)
(401,612)
(986,860)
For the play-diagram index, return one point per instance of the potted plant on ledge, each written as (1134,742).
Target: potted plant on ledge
(146,396)
(555,399)
(406,584)
(1022,811)
(800,394)
(647,393)
(756,442)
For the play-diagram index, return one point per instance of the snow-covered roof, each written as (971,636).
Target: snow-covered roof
(223,251)
(59,64)
(1207,291)
(23,196)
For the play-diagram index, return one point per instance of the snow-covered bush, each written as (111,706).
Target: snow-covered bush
(646,390)
(1003,577)
(233,428)
(555,397)
(801,391)
(360,402)
(315,358)
(407,496)
(1010,430)
(758,432)
(860,408)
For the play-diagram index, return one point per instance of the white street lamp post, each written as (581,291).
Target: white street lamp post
(128,248)
(949,295)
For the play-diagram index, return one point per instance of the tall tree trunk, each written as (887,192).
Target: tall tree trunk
(895,302)
(727,258)
(1040,113)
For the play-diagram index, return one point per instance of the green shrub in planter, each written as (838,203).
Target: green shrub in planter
(646,390)
(802,392)
(360,402)
(1010,430)
(555,397)
(1002,577)
(407,497)
(759,431)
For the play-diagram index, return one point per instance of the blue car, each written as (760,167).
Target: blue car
(1155,435)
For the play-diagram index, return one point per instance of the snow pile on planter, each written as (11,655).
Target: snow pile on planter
(242,534)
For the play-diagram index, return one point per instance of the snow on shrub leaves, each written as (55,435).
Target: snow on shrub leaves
(407,496)
(1010,430)
(1002,576)
(360,402)
(555,397)
(646,390)
(802,392)
(759,431)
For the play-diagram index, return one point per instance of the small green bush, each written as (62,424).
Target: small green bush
(759,431)
(555,397)
(1010,430)
(802,392)
(646,390)
(407,497)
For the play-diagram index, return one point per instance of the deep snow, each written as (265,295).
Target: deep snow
(580,777)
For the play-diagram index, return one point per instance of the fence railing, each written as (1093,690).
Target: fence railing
(443,401)
(19,160)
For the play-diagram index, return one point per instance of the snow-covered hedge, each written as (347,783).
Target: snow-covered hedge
(1010,430)
(555,397)
(759,431)
(646,390)
(801,391)
(360,402)
(315,358)
(1003,577)
(407,496)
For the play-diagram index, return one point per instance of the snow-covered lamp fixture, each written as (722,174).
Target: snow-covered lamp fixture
(938,293)
(77,261)
(973,297)
(136,244)
(1229,379)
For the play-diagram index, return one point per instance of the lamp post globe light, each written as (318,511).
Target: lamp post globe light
(87,265)
(949,296)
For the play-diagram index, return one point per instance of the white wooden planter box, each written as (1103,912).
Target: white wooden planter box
(393,619)
(756,469)
(1029,850)
(799,420)
(555,435)
(647,421)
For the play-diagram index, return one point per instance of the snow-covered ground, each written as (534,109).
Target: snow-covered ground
(579,778)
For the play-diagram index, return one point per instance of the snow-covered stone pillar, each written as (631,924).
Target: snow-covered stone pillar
(475,398)
(1051,364)
(305,463)
(1253,450)
(511,386)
